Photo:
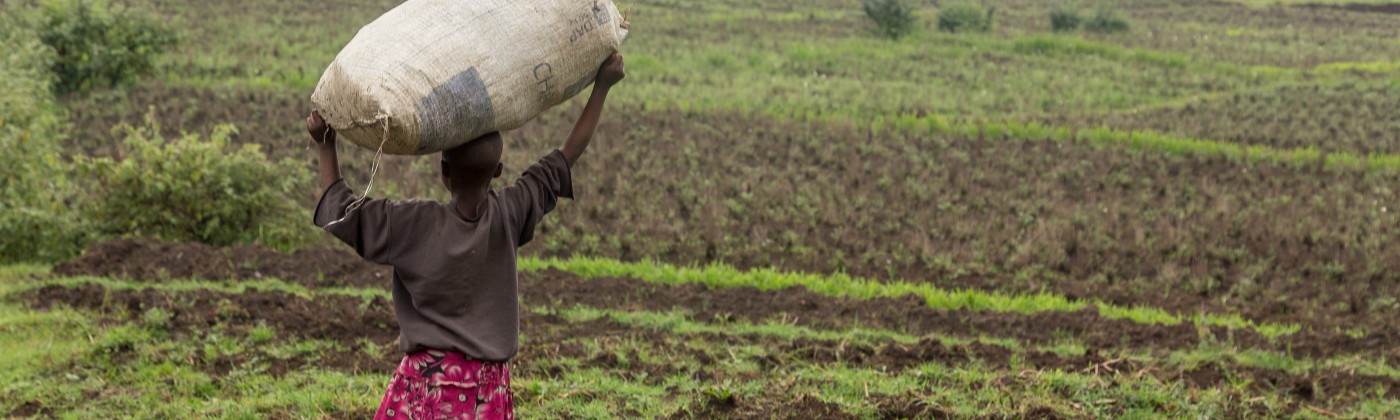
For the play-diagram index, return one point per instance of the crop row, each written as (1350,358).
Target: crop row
(1353,116)
(1009,208)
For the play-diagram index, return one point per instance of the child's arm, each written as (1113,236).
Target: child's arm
(363,223)
(539,188)
(324,136)
(609,74)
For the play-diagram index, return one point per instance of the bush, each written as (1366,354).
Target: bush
(1106,20)
(1064,18)
(192,189)
(965,17)
(97,46)
(893,18)
(35,222)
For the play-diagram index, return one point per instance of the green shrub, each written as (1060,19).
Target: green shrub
(893,18)
(1106,20)
(965,17)
(35,222)
(98,46)
(1064,18)
(189,188)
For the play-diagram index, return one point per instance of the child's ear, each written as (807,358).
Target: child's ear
(500,167)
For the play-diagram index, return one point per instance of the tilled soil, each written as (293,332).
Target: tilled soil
(145,259)
(804,407)
(342,319)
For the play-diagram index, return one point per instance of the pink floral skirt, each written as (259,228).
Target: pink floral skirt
(437,384)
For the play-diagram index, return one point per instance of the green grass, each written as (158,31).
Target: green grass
(842,285)
(187,285)
(678,322)
(713,275)
(38,339)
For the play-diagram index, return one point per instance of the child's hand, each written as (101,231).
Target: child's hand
(611,71)
(320,132)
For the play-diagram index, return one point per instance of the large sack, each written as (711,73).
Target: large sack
(432,74)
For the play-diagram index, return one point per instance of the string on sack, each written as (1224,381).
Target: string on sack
(373,170)
(373,167)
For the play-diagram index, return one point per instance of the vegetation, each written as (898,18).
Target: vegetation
(893,18)
(1107,20)
(97,46)
(1345,117)
(193,188)
(840,285)
(34,221)
(965,17)
(1064,18)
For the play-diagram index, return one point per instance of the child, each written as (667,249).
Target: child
(454,281)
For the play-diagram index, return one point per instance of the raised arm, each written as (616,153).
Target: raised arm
(324,136)
(609,74)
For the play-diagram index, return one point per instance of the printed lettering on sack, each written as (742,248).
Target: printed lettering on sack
(585,22)
(544,73)
(602,15)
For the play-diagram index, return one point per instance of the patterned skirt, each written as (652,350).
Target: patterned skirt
(446,385)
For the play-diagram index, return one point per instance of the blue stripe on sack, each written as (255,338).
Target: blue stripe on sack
(459,105)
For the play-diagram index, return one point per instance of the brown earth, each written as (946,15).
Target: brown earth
(907,407)
(31,409)
(144,259)
(342,319)
(804,407)
(264,116)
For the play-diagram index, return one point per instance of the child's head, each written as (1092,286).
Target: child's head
(475,162)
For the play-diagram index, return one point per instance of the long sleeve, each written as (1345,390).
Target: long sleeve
(368,228)
(535,193)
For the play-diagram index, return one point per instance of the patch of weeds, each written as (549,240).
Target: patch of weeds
(261,333)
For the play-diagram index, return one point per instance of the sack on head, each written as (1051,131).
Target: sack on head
(432,74)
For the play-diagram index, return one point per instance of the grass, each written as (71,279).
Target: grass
(156,383)
(184,285)
(38,339)
(841,285)
(677,322)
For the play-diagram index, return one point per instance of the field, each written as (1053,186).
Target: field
(786,215)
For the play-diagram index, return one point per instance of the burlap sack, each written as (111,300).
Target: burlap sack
(432,74)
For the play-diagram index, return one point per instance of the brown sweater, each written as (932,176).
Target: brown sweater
(454,280)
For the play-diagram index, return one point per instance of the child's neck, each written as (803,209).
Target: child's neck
(468,200)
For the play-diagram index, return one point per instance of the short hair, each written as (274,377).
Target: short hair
(477,156)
